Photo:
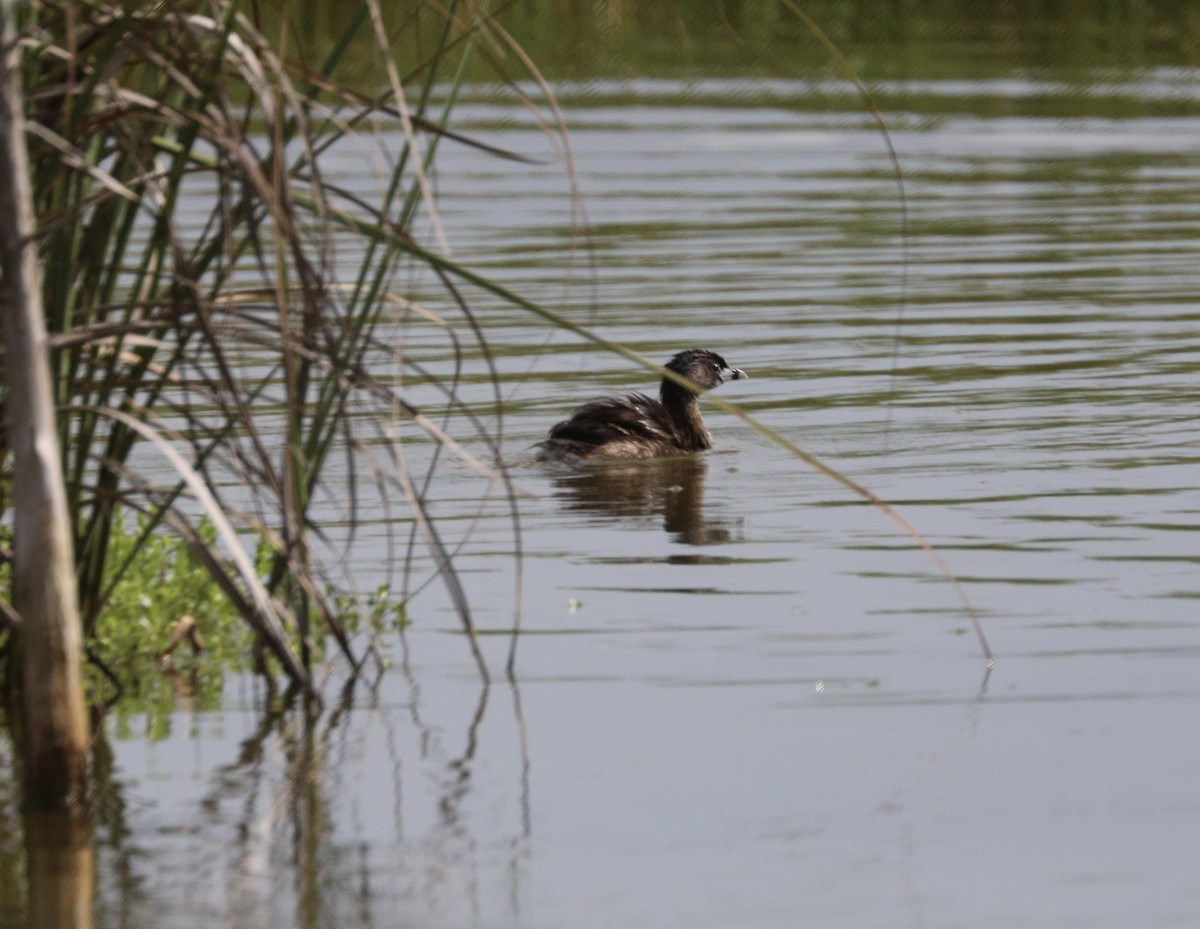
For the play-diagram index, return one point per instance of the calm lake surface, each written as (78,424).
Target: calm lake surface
(747,699)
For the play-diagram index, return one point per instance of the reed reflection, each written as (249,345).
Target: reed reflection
(668,488)
(60,869)
(284,797)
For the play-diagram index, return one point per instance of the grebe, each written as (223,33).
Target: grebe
(636,426)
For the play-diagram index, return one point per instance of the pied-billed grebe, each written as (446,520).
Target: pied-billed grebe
(635,426)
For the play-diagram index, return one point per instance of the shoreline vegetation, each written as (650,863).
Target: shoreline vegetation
(1061,60)
(686,39)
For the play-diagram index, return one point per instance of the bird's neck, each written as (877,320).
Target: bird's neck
(683,407)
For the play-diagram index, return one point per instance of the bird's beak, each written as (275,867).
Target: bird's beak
(734,374)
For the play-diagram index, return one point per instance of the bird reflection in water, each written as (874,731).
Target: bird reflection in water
(670,488)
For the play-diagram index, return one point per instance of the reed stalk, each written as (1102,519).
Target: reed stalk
(53,719)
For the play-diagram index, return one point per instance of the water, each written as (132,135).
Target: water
(746,698)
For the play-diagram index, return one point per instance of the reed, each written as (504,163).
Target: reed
(221,304)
